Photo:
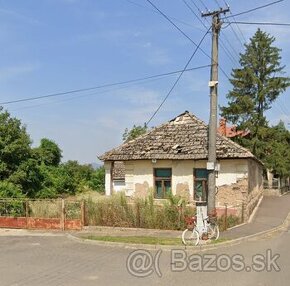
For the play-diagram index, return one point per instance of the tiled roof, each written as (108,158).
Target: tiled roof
(230,131)
(182,138)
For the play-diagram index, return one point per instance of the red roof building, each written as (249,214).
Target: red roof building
(230,131)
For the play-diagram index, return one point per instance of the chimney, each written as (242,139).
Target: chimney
(223,127)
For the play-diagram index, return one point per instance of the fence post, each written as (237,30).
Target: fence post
(27,212)
(62,220)
(82,213)
(226,217)
(243,210)
(138,220)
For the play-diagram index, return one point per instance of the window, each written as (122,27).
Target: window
(162,179)
(200,184)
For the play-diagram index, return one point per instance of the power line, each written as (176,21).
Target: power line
(242,34)
(223,46)
(178,78)
(202,3)
(227,52)
(236,35)
(156,12)
(100,86)
(192,11)
(85,95)
(260,23)
(196,6)
(168,19)
(184,34)
(254,9)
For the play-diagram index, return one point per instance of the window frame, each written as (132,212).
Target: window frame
(162,180)
(204,182)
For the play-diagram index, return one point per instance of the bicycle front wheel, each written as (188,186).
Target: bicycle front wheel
(190,237)
(213,231)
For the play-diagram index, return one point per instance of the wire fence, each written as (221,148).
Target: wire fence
(109,211)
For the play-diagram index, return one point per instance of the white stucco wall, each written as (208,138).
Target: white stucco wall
(139,174)
(108,178)
(231,171)
(119,186)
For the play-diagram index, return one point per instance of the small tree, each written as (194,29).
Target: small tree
(135,132)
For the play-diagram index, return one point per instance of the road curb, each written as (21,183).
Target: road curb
(193,249)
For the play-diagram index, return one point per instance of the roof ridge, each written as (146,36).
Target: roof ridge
(187,130)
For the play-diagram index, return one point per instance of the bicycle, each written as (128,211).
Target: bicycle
(192,235)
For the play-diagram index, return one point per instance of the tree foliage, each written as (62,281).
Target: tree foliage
(134,132)
(48,152)
(276,155)
(97,181)
(14,144)
(256,84)
(38,172)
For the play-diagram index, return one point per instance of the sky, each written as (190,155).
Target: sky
(54,46)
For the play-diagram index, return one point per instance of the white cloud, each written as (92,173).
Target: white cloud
(8,73)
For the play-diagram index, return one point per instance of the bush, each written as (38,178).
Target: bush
(14,207)
(232,220)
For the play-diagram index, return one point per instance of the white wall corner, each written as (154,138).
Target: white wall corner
(108,178)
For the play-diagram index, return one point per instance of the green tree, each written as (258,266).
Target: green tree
(277,149)
(9,190)
(134,132)
(28,177)
(14,144)
(48,152)
(256,85)
(56,182)
(97,181)
(81,173)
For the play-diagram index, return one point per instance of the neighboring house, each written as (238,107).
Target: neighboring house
(171,159)
(230,131)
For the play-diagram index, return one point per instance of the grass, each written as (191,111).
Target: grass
(138,239)
(220,240)
(145,239)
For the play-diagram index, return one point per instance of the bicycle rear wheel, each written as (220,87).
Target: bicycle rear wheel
(190,237)
(213,231)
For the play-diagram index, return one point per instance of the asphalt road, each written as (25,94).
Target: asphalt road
(58,260)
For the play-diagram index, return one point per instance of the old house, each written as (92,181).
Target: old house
(171,159)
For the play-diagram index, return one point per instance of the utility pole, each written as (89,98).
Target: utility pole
(213,84)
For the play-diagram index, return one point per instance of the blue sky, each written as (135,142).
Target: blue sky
(52,46)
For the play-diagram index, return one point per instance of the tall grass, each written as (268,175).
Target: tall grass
(118,210)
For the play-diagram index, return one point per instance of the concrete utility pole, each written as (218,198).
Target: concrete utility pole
(213,84)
